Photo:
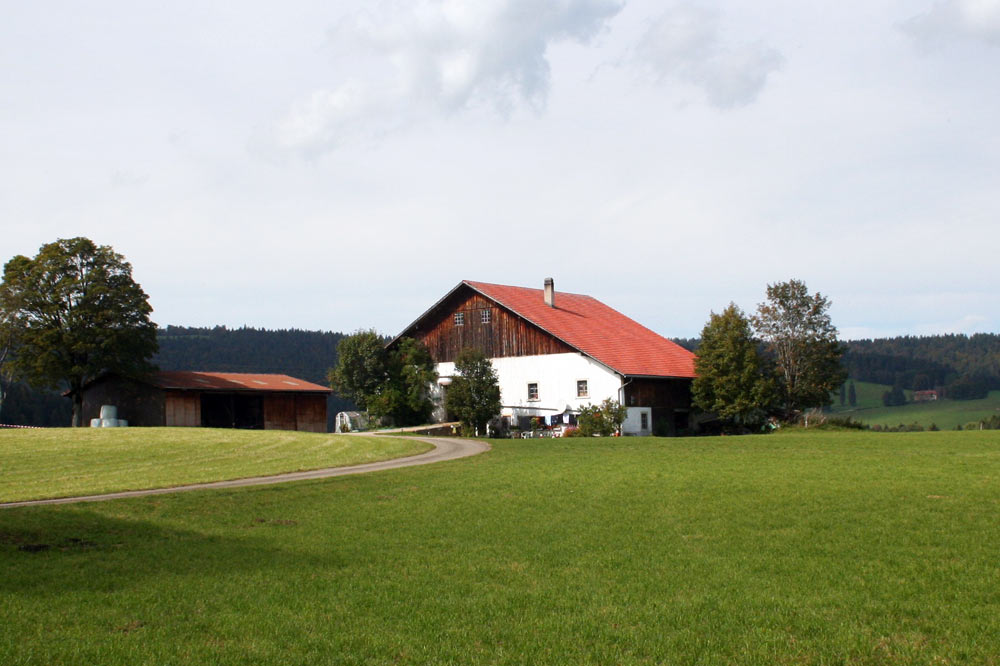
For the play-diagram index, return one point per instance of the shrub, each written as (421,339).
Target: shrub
(895,397)
(604,419)
(844,423)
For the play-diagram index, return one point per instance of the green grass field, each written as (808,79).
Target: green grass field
(945,414)
(61,462)
(869,396)
(804,548)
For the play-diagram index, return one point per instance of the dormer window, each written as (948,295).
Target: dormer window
(459,319)
(485,316)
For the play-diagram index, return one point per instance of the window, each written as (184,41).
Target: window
(485,316)
(581,388)
(644,421)
(459,319)
(533,391)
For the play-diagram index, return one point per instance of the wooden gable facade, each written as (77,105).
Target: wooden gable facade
(466,318)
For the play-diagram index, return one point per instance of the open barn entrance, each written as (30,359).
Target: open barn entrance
(232,410)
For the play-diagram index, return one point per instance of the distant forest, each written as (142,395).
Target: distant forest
(964,366)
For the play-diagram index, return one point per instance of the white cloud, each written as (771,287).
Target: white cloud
(968,324)
(686,44)
(437,56)
(949,20)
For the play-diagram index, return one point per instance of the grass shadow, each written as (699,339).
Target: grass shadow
(54,550)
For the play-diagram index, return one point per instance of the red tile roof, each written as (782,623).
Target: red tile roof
(598,331)
(233,381)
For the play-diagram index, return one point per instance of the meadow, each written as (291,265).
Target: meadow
(945,414)
(799,547)
(64,462)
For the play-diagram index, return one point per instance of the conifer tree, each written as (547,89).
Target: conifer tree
(732,379)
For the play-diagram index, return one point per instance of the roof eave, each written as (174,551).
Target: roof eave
(234,389)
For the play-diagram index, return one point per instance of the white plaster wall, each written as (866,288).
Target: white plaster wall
(633,421)
(556,376)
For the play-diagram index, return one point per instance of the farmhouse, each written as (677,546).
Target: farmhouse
(211,399)
(555,353)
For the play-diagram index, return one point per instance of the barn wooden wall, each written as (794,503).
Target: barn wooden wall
(183,410)
(311,412)
(295,412)
(137,403)
(505,334)
(279,412)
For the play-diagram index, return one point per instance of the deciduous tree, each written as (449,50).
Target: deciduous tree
(732,379)
(473,396)
(78,314)
(389,383)
(803,340)
(361,368)
(405,395)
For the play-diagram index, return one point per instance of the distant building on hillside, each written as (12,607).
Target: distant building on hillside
(211,400)
(925,396)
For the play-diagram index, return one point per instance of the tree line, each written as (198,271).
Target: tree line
(963,366)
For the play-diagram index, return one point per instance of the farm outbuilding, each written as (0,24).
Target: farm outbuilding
(211,400)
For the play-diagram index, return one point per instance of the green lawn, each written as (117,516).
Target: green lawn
(946,414)
(804,548)
(60,462)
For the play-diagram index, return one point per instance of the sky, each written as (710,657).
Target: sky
(343,165)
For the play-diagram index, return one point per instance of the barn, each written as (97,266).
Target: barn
(211,400)
(557,352)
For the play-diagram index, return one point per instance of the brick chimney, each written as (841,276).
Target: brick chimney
(550,292)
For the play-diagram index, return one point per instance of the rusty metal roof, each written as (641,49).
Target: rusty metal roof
(233,381)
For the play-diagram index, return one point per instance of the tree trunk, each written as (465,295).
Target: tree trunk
(77,409)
